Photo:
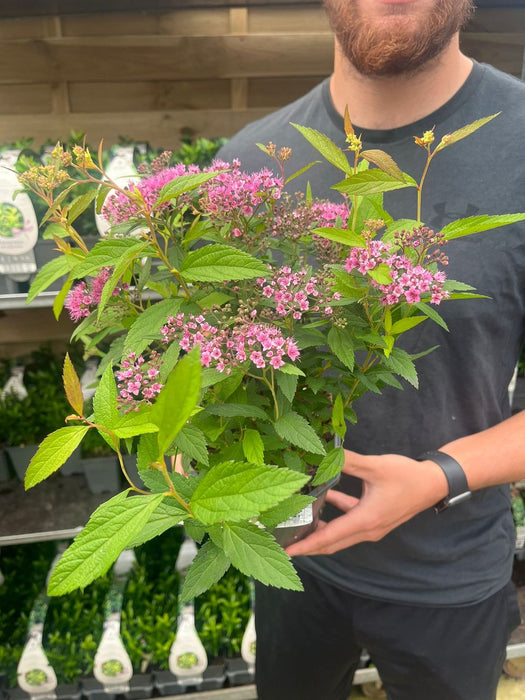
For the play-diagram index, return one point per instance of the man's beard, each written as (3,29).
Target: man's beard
(400,44)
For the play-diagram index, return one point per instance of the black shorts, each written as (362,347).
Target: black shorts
(309,644)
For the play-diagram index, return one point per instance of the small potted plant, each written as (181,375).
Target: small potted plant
(237,326)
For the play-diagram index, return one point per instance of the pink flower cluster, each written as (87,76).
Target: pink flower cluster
(137,380)
(118,207)
(295,293)
(235,193)
(409,281)
(84,297)
(225,349)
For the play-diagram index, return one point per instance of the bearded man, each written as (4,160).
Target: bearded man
(428,595)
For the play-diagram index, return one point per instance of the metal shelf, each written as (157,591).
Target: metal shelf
(19,301)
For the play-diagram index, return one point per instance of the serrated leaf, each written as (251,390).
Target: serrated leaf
(338,417)
(220,263)
(191,441)
(287,383)
(53,452)
(380,274)
(231,410)
(477,224)
(253,446)
(167,515)
(308,195)
(237,491)
(208,567)
(148,324)
(255,553)
(385,162)
(106,253)
(72,386)
(405,324)
(214,299)
(326,147)
(330,466)
(296,429)
(55,230)
(371,182)
(341,344)
(184,183)
(49,273)
(154,480)
(105,400)
(341,235)
(400,362)
(121,265)
(109,530)
(291,369)
(287,509)
(459,134)
(177,399)
(58,303)
(79,205)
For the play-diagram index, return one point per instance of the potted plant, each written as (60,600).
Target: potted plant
(227,347)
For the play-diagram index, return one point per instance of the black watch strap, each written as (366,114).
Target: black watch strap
(458,488)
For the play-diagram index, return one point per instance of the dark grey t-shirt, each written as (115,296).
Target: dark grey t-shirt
(465,554)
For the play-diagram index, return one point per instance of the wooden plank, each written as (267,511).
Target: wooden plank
(160,129)
(25,99)
(23,27)
(210,22)
(500,20)
(164,58)
(239,86)
(507,58)
(276,92)
(506,38)
(32,8)
(275,20)
(142,96)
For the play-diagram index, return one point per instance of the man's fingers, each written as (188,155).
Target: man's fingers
(341,500)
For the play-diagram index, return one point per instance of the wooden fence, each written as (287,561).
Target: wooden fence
(152,75)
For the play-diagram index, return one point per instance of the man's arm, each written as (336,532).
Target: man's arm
(396,488)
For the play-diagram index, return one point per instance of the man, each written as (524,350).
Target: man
(427,595)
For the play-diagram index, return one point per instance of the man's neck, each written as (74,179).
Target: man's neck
(394,101)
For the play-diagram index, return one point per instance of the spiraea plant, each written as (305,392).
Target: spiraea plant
(236,326)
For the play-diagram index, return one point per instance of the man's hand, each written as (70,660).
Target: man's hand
(395,489)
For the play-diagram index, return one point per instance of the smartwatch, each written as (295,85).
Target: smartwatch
(458,489)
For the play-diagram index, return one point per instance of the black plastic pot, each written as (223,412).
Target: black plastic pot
(140,687)
(238,672)
(305,522)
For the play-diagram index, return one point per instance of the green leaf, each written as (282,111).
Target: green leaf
(380,274)
(432,314)
(341,235)
(109,530)
(107,253)
(72,386)
(294,428)
(191,441)
(231,410)
(58,303)
(326,147)
(330,466)
(400,362)
(476,224)
(291,369)
(184,183)
(287,383)
(154,480)
(338,417)
(385,162)
(370,182)
(177,399)
(237,491)
(53,452)
(131,424)
(405,324)
(79,205)
(341,344)
(55,230)
(148,324)
(300,172)
(285,510)
(105,400)
(220,263)
(455,136)
(253,446)
(49,273)
(147,451)
(255,553)
(208,567)
(214,299)
(167,515)
(121,265)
